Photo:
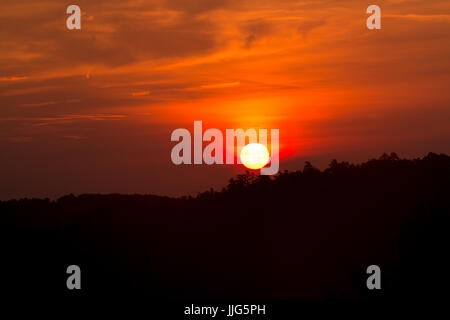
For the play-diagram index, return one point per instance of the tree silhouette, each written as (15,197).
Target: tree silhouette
(307,234)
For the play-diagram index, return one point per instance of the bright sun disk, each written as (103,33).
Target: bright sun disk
(255,156)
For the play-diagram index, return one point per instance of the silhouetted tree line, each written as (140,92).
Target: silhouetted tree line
(308,234)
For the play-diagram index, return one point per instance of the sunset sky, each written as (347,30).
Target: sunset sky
(92,110)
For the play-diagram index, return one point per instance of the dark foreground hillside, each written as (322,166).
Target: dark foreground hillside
(308,234)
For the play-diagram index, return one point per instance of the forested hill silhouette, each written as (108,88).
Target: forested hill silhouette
(307,234)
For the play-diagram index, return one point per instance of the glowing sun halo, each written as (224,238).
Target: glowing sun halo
(255,156)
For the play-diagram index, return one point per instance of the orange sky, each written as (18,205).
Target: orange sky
(93,110)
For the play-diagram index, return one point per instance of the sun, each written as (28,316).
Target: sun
(255,156)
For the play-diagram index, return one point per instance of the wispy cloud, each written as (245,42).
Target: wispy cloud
(40,104)
(421,17)
(8,79)
(43,121)
(140,93)
(220,85)
(48,103)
